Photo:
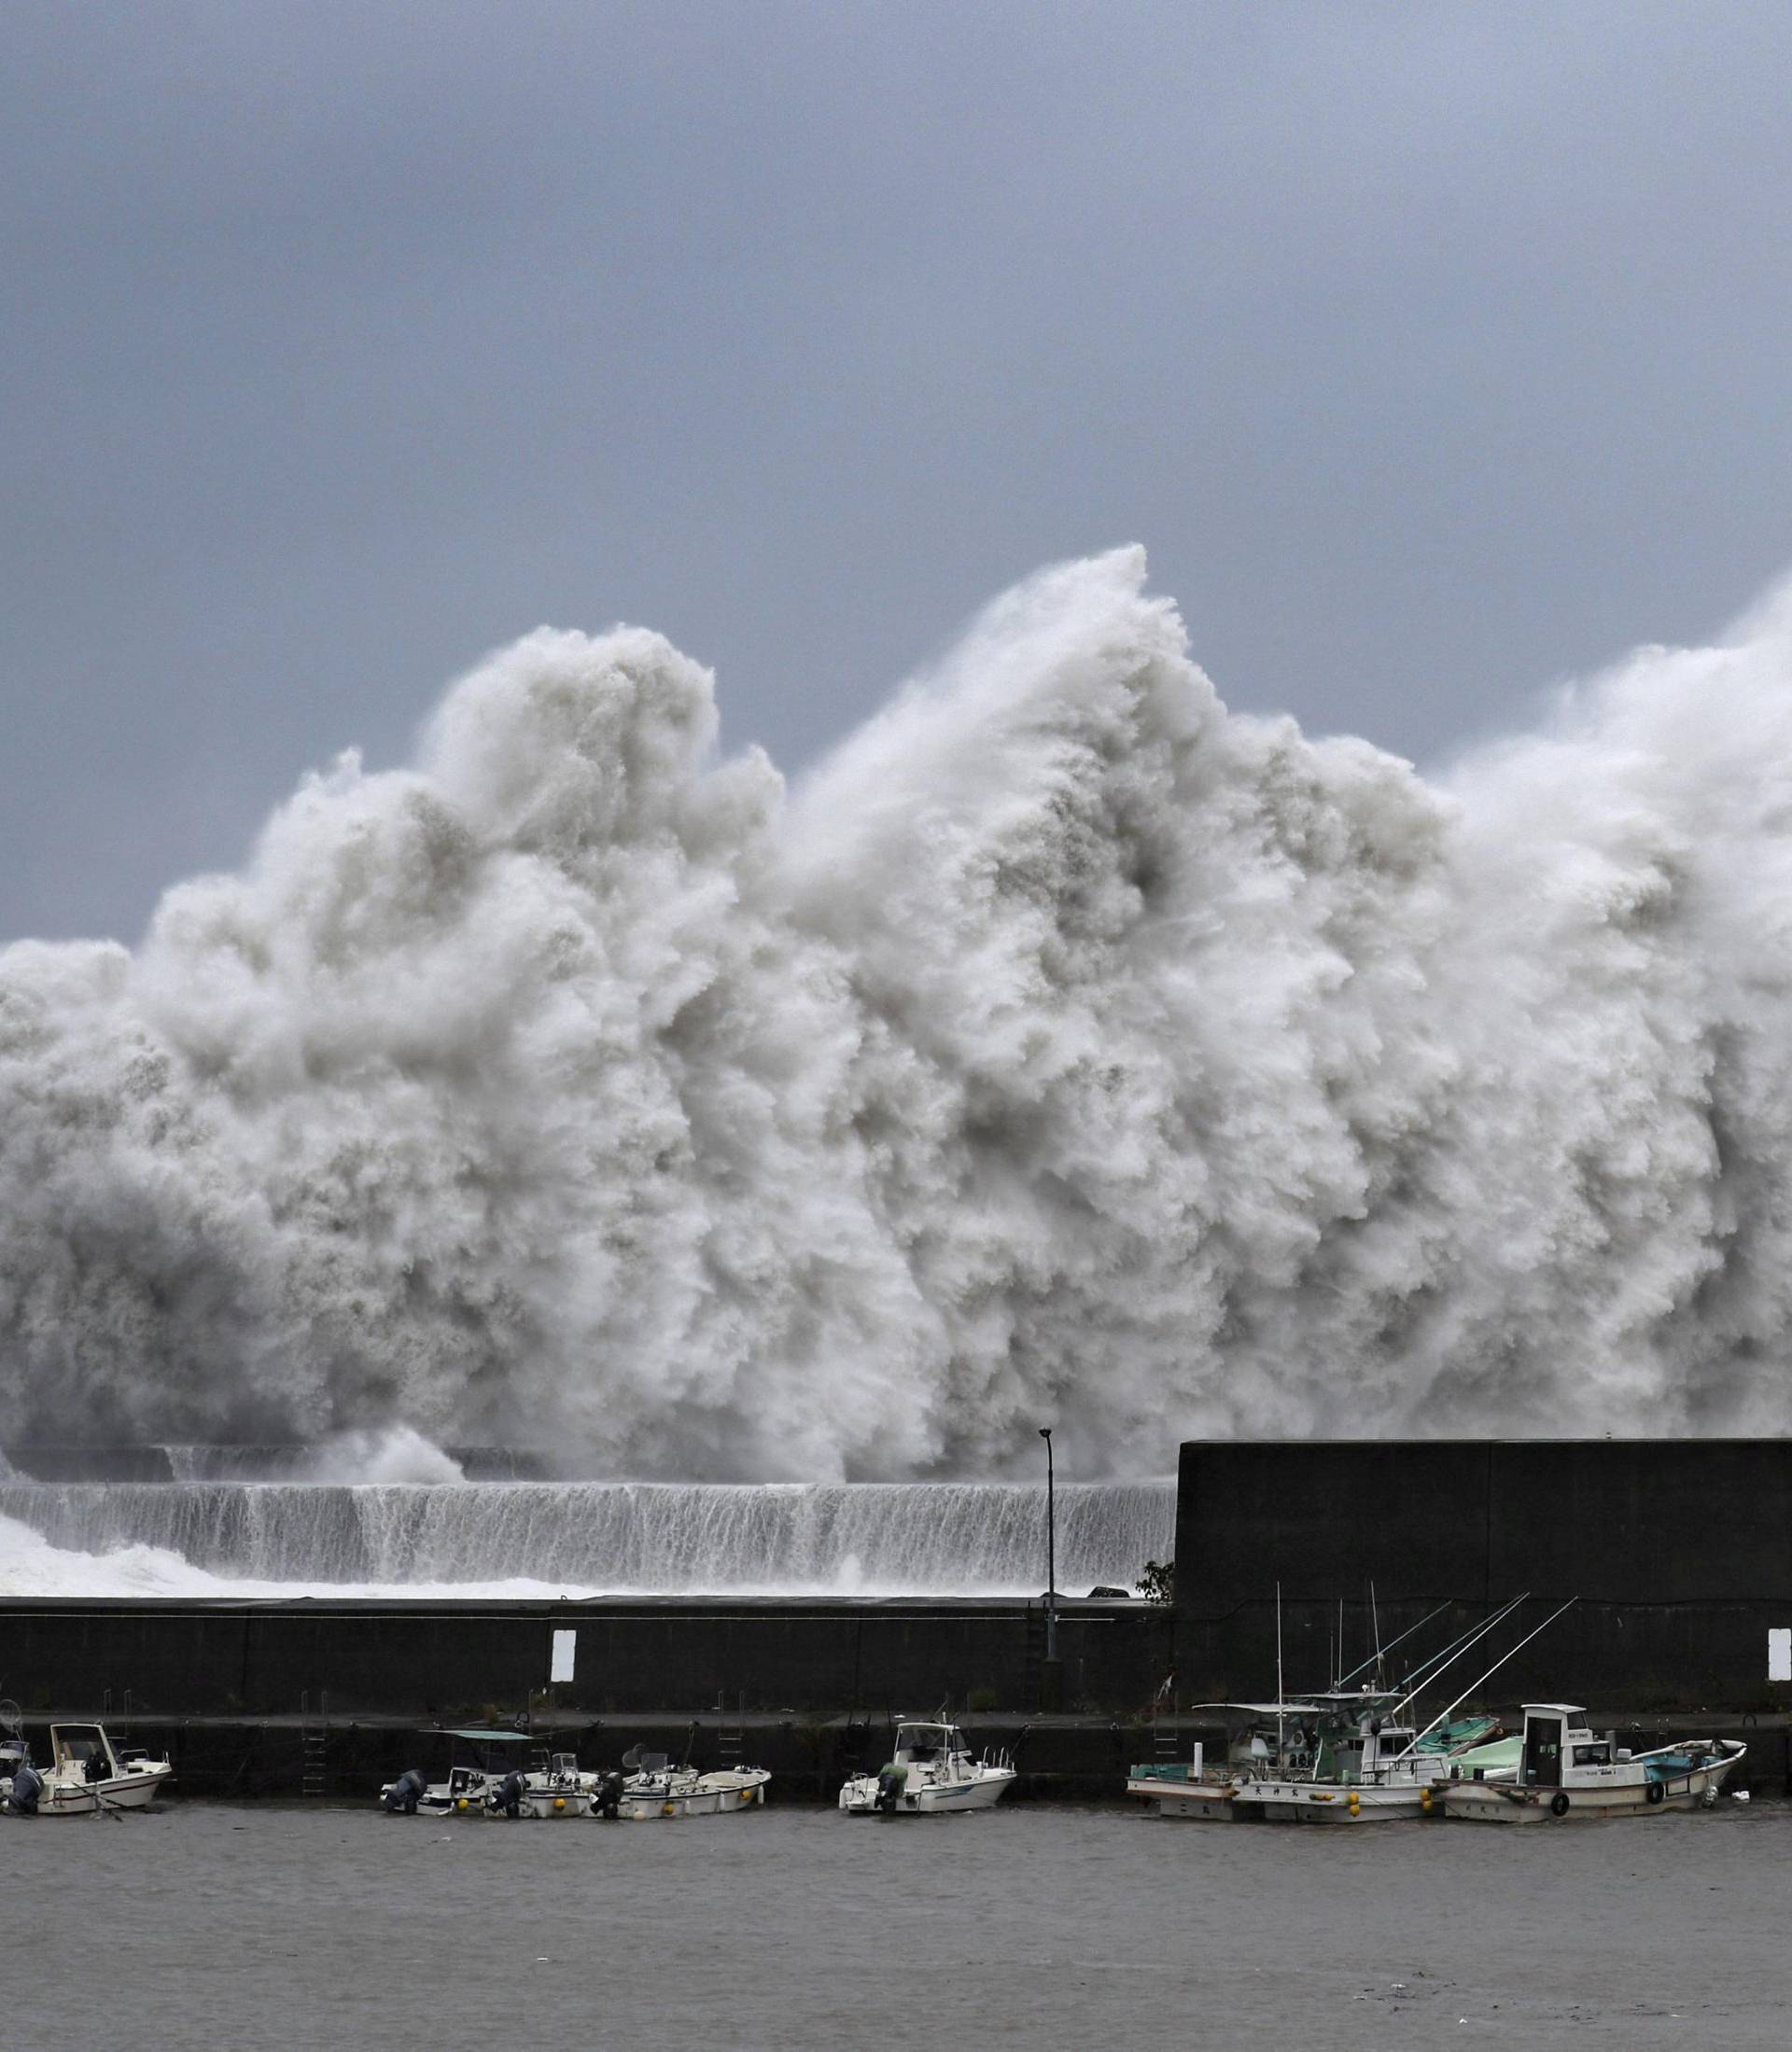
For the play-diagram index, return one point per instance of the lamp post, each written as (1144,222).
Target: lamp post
(1051,1566)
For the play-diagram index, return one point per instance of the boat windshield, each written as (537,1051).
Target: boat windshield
(74,1745)
(927,1741)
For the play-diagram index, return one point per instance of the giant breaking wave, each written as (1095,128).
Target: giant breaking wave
(1066,1051)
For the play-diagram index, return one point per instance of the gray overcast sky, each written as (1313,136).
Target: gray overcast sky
(1434,351)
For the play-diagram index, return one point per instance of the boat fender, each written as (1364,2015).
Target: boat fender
(1558,1805)
(1658,1791)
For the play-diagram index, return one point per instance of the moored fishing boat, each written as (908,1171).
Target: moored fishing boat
(653,1787)
(88,1773)
(554,1792)
(1259,1739)
(1361,1765)
(1564,1770)
(480,1762)
(930,1772)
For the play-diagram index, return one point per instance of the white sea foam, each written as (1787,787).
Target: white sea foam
(30,1566)
(1067,1050)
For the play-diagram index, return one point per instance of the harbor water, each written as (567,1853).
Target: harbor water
(1041,1926)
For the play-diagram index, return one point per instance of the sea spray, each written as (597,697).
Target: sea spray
(1066,1049)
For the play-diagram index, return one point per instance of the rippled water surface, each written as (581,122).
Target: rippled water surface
(224,1926)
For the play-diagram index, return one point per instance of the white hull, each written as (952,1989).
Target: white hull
(1507,1802)
(714,1795)
(1311,1803)
(1211,1801)
(938,1800)
(61,1798)
(548,1805)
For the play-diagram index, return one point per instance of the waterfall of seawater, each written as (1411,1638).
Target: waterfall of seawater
(941,1539)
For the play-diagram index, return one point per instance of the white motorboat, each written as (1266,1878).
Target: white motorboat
(88,1773)
(480,1764)
(556,1790)
(930,1772)
(653,1787)
(15,1760)
(1564,1770)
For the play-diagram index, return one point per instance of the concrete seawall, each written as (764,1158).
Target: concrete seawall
(672,1658)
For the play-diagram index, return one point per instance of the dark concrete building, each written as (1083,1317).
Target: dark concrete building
(1678,1553)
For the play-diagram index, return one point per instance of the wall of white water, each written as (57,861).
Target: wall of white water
(1067,1051)
(946,1539)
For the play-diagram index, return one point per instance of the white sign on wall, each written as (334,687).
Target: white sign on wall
(566,1649)
(1779,1654)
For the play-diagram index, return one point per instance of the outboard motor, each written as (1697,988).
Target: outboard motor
(891,1781)
(401,1798)
(508,1795)
(610,1796)
(27,1785)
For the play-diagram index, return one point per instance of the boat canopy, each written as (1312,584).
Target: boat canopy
(1265,1710)
(494,1737)
(912,1733)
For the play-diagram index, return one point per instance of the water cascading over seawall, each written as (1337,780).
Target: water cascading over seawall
(946,1539)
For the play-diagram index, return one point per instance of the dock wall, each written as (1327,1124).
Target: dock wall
(673,1656)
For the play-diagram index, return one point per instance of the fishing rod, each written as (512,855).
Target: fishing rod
(1392,1642)
(1461,1647)
(1429,1669)
(1489,1675)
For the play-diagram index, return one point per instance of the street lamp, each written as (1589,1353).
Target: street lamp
(1051,1550)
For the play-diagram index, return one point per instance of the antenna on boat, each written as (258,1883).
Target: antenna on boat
(1489,1675)
(1281,1695)
(1375,1626)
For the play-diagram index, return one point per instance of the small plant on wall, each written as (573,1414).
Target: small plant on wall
(1157,1584)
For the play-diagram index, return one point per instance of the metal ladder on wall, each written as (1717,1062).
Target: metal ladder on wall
(731,1732)
(1166,1740)
(314,1745)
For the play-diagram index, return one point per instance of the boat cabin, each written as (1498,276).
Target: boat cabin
(83,1752)
(478,1757)
(929,1745)
(1359,1734)
(1265,1737)
(1559,1752)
